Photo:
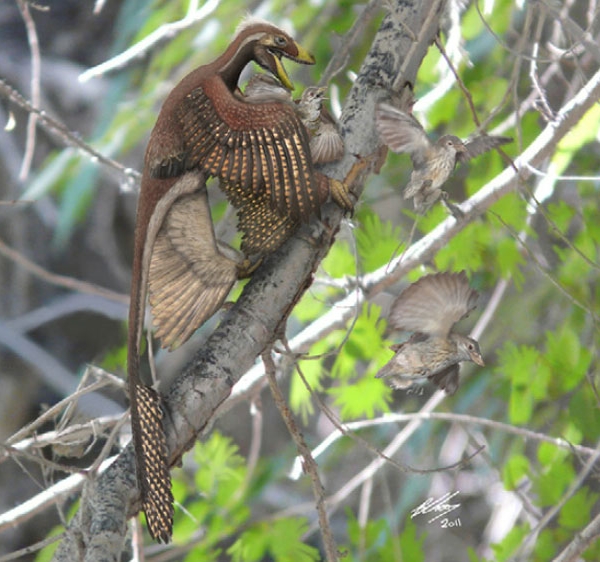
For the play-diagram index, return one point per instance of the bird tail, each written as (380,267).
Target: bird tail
(151,460)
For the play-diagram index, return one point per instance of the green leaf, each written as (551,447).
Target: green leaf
(281,539)
(466,250)
(365,397)
(548,453)
(413,547)
(529,375)
(300,397)
(377,241)
(509,258)
(560,214)
(568,359)
(514,471)
(340,261)
(221,470)
(250,546)
(510,543)
(286,541)
(546,546)
(576,513)
(552,484)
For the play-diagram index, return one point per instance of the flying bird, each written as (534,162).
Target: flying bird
(433,162)
(429,308)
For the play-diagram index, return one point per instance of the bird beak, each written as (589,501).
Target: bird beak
(461,148)
(302,56)
(476,357)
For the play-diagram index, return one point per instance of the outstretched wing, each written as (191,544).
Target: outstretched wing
(434,304)
(401,132)
(252,147)
(188,277)
(447,379)
(480,144)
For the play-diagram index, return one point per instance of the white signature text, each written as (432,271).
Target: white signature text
(439,506)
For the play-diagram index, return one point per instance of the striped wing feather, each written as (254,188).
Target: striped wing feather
(251,147)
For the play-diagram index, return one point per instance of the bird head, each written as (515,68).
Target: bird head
(312,94)
(269,45)
(452,143)
(468,349)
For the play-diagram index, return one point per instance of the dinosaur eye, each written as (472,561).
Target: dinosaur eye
(280,41)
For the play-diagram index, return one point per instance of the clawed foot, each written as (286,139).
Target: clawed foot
(246,268)
(454,210)
(341,195)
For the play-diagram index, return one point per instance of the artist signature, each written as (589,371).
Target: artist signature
(439,506)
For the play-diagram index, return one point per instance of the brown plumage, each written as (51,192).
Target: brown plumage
(326,144)
(433,162)
(205,129)
(190,274)
(429,308)
(264,228)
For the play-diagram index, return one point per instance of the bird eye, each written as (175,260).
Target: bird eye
(280,41)
(471,347)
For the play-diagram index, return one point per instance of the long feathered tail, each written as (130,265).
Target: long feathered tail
(151,461)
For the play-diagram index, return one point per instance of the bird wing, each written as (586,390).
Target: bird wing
(188,277)
(326,145)
(447,379)
(480,144)
(264,87)
(250,146)
(262,227)
(433,304)
(401,132)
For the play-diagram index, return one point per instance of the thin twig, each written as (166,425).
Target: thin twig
(526,547)
(352,427)
(61,280)
(34,46)
(57,129)
(309,464)
(159,36)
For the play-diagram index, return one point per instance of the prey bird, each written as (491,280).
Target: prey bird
(433,162)
(429,308)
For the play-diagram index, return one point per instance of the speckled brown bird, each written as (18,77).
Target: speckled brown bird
(429,308)
(326,144)
(433,162)
(205,129)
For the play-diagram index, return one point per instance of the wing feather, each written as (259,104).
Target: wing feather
(480,144)
(434,304)
(221,131)
(400,131)
(188,276)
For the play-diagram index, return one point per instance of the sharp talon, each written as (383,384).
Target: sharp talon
(247,268)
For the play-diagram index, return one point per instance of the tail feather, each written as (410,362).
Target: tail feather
(152,465)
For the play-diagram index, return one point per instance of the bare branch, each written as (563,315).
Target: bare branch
(308,462)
